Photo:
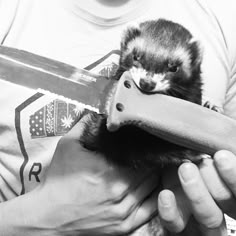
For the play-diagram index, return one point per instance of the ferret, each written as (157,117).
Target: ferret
(162,57)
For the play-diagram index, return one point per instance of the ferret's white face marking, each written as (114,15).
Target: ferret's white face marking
(177,54)
(149,82)
(141,44)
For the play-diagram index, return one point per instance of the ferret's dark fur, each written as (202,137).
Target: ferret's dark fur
(156,48)
(163,58)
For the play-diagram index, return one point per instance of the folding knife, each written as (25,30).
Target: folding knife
(172,119)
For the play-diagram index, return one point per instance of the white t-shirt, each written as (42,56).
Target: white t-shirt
(32,123)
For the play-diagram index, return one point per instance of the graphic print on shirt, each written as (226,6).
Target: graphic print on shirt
(54,119)
(41,120)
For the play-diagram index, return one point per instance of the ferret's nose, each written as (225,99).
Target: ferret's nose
(147,85)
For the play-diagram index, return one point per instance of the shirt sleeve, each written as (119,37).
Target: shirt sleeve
(224,12)
(230,100)
(8,11)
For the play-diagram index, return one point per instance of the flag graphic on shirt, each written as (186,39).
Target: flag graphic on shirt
(54,119)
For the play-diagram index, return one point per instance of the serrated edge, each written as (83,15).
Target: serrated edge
(68,100)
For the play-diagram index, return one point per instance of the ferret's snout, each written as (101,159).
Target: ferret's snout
(147,84)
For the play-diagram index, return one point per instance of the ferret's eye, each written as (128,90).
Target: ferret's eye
(172,68)
(136,57)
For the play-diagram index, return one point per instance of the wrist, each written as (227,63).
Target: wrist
(24,216)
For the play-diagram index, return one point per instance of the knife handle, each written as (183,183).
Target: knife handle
(175,120)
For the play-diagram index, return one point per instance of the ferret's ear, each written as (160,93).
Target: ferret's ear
(197,51)
(129,34)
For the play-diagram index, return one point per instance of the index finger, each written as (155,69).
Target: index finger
(204,208)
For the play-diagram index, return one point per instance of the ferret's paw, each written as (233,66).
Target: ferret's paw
(213,107)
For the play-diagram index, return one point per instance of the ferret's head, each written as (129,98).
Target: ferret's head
(162,58)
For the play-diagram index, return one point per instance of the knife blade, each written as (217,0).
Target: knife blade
(37,72)
(172,119)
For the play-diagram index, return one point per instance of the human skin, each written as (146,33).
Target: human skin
(205,191)
(81,194)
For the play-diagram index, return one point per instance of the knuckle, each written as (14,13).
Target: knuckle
(125,227)
(223,196)
(198,199)
(114,198)
(122,225)
(119,190)
(214,222)
(121,213)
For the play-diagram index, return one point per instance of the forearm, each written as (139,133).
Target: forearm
(25,215)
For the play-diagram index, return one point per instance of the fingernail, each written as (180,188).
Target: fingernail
(166,198)
(187,172)
(223,159)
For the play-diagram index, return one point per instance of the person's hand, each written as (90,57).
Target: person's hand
(207,191)
(219,176)
(82,195)
(85,195)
